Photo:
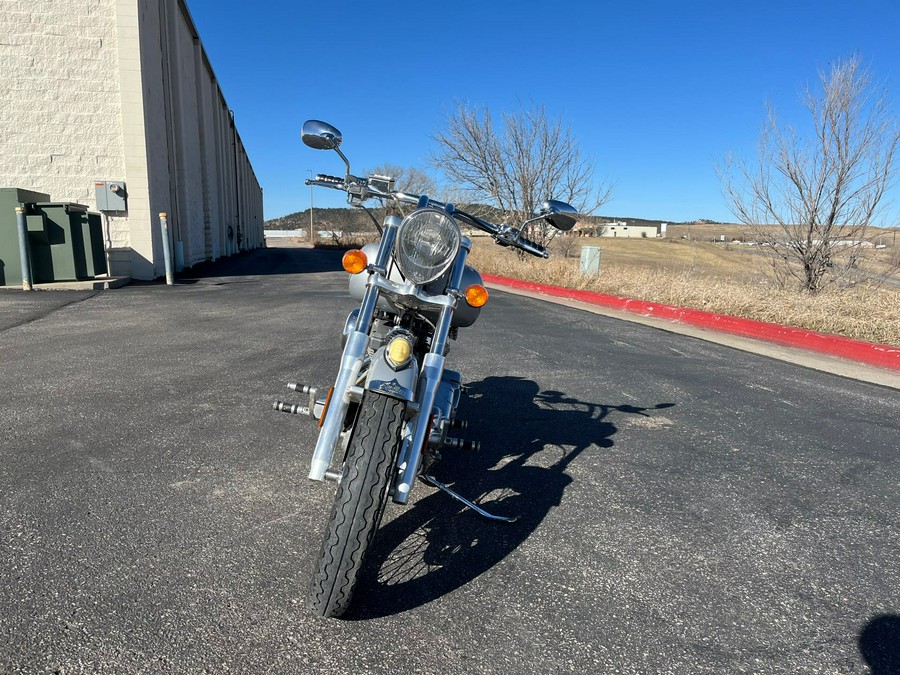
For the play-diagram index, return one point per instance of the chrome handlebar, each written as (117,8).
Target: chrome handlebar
(529,246)
(504,235)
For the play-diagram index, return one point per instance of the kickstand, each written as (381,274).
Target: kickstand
(430,480)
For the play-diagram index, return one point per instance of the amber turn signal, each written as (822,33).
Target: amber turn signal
(354,261)
(476,295)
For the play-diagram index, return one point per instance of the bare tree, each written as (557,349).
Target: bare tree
(566,244)
(516,165)
(812,198)
(408,179)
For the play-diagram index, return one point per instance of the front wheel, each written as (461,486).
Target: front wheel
(359,503)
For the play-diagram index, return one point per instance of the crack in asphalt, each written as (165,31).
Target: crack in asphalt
(46,313)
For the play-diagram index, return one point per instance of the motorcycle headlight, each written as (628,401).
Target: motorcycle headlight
(427,243)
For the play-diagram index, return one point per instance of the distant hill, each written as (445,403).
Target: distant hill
(341,218)
(323,219)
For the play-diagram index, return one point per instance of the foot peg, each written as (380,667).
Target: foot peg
(430,480)
(312,410)
(302,388)
(460,444)
(295,409)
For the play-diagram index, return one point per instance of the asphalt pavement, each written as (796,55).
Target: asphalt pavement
(684,507)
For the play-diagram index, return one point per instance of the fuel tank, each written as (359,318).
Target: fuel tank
(465,315)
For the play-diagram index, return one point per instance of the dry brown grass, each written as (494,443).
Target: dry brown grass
(709,277)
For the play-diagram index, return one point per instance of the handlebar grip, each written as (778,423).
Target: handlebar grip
(325,178)
(532,247)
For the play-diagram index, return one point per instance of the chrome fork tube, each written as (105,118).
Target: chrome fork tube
(459,269)
(351,361)
(432,371)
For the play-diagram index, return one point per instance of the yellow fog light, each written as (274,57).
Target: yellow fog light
(398,351)
(354,261)
(476,295)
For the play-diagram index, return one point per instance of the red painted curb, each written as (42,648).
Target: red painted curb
(884,356)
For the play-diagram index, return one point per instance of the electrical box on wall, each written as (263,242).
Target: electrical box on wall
(111,195)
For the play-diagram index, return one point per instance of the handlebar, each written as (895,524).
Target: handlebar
(532,247)
(325,178)
(502,234)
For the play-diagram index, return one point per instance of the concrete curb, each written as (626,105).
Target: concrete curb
(883,356)
(97,284)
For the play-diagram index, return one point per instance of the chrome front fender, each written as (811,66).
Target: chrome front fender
(383,379)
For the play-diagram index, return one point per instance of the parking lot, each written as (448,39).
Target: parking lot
(683,507)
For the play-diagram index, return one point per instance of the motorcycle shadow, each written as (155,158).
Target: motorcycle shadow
(529,437)
(263,262)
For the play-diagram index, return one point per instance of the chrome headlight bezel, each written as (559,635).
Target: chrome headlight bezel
(426,245)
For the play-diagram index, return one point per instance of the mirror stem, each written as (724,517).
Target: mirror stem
(531,220)
(346,161)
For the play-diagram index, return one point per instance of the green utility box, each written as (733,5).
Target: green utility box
(72,245)
(65,239)
(94,250)
(10,265)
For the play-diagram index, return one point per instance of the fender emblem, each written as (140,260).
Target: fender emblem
(392,388)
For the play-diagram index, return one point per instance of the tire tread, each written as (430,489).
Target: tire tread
(358,504)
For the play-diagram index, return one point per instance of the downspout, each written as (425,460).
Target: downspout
(237,193)
(170,122)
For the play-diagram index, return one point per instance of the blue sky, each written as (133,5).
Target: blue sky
(657,92)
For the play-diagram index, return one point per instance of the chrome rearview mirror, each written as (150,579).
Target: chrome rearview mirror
(320,135)
(559,214)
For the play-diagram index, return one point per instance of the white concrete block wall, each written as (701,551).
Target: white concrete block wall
(187,139)
(205,91)
(60,110)
(248,192)
(138,255)
(219,190)
(221,215)
(192,166)
(122,90)
(155,130)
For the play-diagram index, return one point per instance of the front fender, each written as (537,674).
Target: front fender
(385,380)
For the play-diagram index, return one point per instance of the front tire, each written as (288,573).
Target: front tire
(358,505)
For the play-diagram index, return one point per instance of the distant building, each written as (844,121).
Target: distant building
(122,90)
(284,234)
(620,228)
(847,243)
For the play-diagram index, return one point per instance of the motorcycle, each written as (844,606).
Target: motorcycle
(393,404)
